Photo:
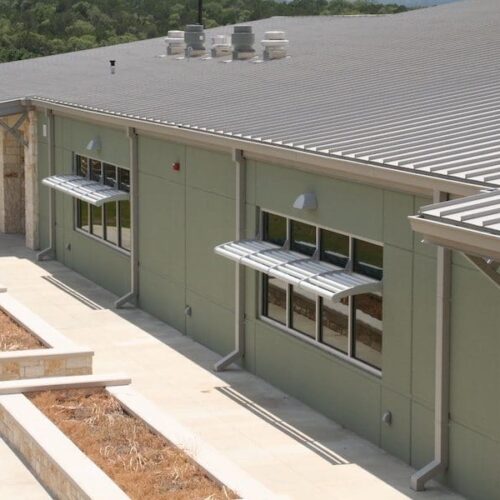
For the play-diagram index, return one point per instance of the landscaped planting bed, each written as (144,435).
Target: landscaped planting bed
(143,464)
(14,337)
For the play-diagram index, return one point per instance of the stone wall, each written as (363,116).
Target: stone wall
(15,365)
(50,474)
(12,208)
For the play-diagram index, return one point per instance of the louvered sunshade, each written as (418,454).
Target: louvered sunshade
(84,189)
(321,278)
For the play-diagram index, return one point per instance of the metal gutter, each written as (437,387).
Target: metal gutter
(462,239)
(49,252)
(355,170)
(239,270)
(132,295)
(442,367)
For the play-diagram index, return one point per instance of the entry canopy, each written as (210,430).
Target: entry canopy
(470,225)
(84,189)
(321,278)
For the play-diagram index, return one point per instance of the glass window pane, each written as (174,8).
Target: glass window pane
(303,238)
(334,248)
(335,324)
(368,329)
(123,180)
(368,259)
(110,175)
(274,229)
(275,299)
(124,209)
(96,221)
(303,312)
(82,220)
(111,222)
(82,166)
(95,170)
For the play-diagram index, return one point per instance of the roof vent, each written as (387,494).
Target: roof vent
(275,45)
(194,37)
(221,46)
(175,42)
(243,40)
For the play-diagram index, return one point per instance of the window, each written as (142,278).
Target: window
(352,326)
(111,222)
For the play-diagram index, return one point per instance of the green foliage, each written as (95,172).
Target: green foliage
(32,28)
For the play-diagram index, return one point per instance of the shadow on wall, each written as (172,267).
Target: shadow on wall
(314,431)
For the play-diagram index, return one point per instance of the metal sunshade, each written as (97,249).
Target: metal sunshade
(79,187)
(321,278)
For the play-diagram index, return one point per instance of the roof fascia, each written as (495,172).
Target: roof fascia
(458,238)
(14,107)
(363,172)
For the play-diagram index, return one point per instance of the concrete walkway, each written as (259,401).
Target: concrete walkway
(289,448)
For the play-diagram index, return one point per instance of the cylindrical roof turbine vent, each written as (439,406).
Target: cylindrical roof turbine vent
(194,37)
(275,45)
(243,40)
(175,42)
(221,46)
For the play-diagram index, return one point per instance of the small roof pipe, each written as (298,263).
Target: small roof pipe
(442,361)
(200,12)
(239,274)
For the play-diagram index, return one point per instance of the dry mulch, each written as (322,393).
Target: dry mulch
(14,337)
(144,464)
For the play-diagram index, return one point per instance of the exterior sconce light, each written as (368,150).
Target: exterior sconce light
(306,201)
(94,144)
(176,166)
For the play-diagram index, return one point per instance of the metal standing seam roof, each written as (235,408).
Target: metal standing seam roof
(470,224)
(480,212)
(83,189)
(321,278)
(416,91)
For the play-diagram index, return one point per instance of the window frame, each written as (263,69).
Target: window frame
(317,341)
(77,207)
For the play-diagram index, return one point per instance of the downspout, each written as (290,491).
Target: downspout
(442,382)
(132,295)
(239,272)
(49,252)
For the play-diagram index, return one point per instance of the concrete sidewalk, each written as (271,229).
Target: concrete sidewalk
(285,445)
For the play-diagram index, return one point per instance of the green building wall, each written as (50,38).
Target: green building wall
(184,214)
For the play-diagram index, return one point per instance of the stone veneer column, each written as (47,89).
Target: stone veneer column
(11,181)
(31,182)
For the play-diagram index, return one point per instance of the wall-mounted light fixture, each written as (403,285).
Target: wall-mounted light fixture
(94,144)
(306,201)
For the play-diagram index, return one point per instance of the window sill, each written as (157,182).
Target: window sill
(124,252)
(322,347)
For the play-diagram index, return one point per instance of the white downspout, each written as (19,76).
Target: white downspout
(239,275)
(134,219)
(442,384)
(49,252)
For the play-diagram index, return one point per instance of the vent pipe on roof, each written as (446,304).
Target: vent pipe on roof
(194,37)
(243,40)
(175,42)
(221,46)
(275,45)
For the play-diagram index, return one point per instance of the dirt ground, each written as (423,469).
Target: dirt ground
(14,337)
(144,464)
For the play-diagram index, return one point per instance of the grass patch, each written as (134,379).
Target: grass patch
(14,337)
(144,464)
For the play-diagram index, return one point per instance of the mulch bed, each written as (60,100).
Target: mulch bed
(14,337)
(144,464)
